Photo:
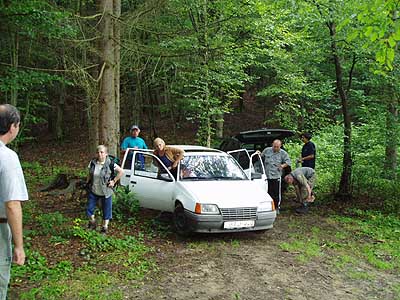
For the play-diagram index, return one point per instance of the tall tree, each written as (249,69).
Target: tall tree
(109,80)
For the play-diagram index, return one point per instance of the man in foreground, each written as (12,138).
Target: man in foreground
(12,191)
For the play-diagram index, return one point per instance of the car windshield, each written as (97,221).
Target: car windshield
(210,167)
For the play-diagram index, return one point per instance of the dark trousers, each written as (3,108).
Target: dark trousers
(275,191)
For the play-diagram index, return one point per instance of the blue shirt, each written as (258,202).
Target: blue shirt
(165,161)
(132,142)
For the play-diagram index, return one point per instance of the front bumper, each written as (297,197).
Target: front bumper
(215,223)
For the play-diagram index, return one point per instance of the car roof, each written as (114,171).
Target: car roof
(263,135)
(195,148)
(186,148)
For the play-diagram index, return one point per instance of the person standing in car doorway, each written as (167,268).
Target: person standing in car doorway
(275,161)
(308,152)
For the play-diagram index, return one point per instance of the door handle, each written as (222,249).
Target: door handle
(134,182)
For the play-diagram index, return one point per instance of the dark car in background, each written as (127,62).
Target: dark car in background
(253,140)
(245,143)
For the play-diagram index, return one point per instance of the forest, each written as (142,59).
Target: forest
(196,72)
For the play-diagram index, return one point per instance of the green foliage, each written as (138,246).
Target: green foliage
(305,247)
(97,242)
(369,180)
(36,268)
(51,292)
(53,224)
(125,205)
(380,236)
(378,28)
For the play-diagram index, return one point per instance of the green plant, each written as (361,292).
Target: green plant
(36,267)
(377,237)
(125,205)
(97,242)
(305,250)
(52,223)
(50,291)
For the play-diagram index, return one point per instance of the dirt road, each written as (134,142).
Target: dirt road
(256,266)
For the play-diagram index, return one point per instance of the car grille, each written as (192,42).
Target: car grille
(241,213)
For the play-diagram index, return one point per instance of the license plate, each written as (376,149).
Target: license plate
(238,224)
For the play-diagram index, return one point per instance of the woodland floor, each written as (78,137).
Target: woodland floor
(220,266)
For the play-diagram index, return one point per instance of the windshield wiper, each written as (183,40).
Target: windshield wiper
(197,178)
(227,178)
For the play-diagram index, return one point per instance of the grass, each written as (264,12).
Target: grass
(304,243)
(376,237)
(350,242)
(106,261)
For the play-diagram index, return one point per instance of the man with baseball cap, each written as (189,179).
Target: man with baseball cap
(133,141)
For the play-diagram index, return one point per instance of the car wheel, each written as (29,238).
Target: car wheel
(180,221)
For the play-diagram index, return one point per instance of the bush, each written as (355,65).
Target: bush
(368,177)
(125,205)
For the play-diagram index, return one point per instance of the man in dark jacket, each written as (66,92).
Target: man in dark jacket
(308,152)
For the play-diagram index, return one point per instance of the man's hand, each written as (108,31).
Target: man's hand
(19,256)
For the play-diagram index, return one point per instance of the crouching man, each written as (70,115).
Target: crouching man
(303,180)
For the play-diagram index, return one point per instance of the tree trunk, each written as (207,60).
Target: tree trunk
(59,126)
(392,140)
(14,63)
(345,180)
(117,58)
(207,75)
(219,132)
(108,123)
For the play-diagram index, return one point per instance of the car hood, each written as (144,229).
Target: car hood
(226,194)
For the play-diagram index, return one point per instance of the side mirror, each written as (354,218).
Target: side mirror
(256,176)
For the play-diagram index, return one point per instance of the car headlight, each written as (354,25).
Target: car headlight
(265,206)
(210,209)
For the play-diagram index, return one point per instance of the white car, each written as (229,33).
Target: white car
(211,193)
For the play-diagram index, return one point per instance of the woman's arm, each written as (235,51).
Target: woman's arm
(120,173)
(178,155)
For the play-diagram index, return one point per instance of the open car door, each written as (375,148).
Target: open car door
(243,158)
(252,165)
(150,181)
(257,167)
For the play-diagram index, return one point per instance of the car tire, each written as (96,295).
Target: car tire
(180,221)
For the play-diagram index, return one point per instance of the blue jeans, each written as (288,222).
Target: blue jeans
(106,204)
(5,259)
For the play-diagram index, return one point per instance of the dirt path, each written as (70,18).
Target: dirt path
(254,266)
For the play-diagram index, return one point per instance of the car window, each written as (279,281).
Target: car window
(128,159)
(147,165)
(210,167)
(257,164)
(242,158)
